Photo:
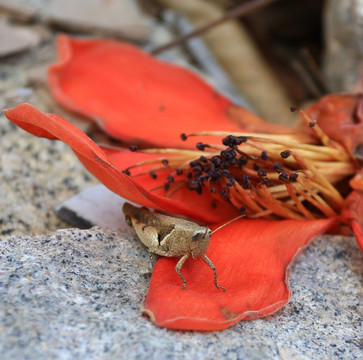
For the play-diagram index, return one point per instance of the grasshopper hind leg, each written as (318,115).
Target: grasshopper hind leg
(211,265)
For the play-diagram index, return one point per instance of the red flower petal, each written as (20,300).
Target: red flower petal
(341,118)
(352,215)
(107,165)
(357,182)
(133,96)
(252,258)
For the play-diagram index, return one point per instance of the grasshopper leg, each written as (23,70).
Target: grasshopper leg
(179,266)
(153,257)
(211,265)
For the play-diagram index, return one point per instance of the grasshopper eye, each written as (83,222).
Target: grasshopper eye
(201,233)
(197,236)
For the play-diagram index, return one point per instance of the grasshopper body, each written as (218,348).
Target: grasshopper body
(172,237)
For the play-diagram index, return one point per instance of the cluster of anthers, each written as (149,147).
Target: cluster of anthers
(291,176)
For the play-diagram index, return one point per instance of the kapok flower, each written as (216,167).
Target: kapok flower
(292,184)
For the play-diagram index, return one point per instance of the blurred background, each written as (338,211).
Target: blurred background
(277,54)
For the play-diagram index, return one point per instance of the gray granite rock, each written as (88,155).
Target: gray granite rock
(15,39)
(21,10)
(76,294)
(35,175)
(112,18)
(343,33)
(117,18)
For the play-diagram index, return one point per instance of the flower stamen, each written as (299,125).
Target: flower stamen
(289,176)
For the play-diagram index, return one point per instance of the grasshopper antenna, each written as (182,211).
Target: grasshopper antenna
(227,223)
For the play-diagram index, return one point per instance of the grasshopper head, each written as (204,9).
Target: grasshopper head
(200,241)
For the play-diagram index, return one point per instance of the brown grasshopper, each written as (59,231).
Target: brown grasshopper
(172,237)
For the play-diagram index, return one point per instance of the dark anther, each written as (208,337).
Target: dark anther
(261,172)
(231,140)
(242,210)
(246,184)
(216,160)
(228,140)
(183,136)
(153,175)
(233,161)
(195,163)
(213,190)
(278,167)
(127,172)
(225,172)
(223,192)
(293,108)
(231,181)
(166,186)
(200,146)
(293,176)
(264,155)
(246,181)
(203,159)
(312,123)
(256,167)
(283,176)
(179,171)
(285,154)
(189,175)
(228,154)
(133,148)
(202,178)
(195,185)
(165,161)
(265,181)
(223,165)
(197,170)
(214,175)
(242,160)
(170,178)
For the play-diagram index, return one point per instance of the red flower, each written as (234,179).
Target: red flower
(289,182)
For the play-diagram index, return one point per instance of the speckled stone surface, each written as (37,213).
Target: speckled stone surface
(35,174)
(343,33)
(76,294)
